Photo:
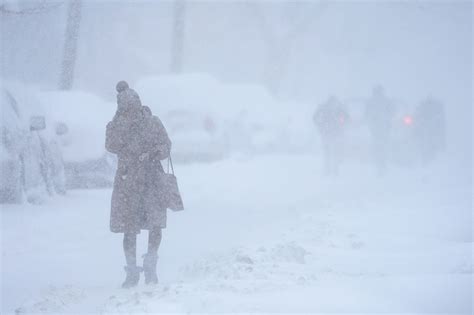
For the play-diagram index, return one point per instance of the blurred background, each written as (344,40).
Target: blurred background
(298,50)
(323,149)
(237,77)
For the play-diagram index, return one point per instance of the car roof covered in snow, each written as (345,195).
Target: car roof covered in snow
(203,93)
(86,116)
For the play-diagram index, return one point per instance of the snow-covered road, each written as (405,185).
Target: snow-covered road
(267,234)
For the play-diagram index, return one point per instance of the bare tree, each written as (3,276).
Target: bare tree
(41,7)
(177,39)
(24,11)
(279,44)
(70,44)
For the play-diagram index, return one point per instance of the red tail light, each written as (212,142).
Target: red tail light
(408,120)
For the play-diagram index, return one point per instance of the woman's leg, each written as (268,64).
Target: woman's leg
(151,258)
(154,241)
(130,250)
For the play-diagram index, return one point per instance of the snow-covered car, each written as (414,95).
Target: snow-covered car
(84,115)
(196,132)
(31,163)
(208,120)
(186,104)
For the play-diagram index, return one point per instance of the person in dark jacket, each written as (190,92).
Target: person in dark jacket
(140,141)
(331,119)
(379,113)
(429,128)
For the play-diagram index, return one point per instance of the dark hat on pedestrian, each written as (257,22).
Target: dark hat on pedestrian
(121,86)
(127,98)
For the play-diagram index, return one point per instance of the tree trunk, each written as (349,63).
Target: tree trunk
(70,45)
(177,40)
(276,64)
(279,45)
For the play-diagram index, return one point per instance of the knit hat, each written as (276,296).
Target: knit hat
(121,85)
(127,98)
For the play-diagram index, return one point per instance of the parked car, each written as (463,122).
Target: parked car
(30,160)
(209,120)
(80,119)
(194,136)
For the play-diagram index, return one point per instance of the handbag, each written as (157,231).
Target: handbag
(173,200)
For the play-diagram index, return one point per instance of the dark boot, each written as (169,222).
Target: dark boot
(149,268)
(133,276)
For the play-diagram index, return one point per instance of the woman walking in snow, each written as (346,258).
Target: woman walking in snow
(140,141)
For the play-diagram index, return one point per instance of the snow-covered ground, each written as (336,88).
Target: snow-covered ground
(265,234)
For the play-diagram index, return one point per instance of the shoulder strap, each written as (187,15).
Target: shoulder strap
(170,163)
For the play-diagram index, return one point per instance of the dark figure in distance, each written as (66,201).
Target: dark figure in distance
(379,112)
(140,141)
(331,119)
(429,129)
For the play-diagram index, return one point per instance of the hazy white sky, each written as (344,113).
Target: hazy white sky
(343,48)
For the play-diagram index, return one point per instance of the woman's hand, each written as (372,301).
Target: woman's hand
(144,156)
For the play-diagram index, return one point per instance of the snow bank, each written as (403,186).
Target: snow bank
(286,241)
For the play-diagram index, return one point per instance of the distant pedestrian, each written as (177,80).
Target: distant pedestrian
(430,129)
(331,119)
(379,112)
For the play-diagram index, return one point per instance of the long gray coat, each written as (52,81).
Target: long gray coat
(140,142)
